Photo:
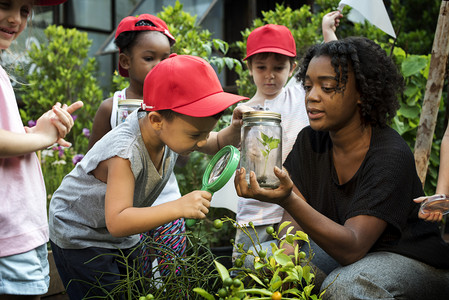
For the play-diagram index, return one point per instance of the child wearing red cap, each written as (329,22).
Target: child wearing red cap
(24,269)
(105,202)
(270,57)
(143,42)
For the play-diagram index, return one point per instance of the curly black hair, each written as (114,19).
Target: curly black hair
(377,78)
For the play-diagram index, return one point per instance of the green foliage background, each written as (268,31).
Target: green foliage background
(65,73)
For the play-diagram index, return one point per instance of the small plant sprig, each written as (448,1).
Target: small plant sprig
(278,276)
(270,143)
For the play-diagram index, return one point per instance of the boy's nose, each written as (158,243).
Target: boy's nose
(270,75)
(201,143)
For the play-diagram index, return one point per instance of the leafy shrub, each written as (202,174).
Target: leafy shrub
(274,277)
(64,74)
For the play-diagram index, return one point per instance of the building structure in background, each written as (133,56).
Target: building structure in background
(99,18)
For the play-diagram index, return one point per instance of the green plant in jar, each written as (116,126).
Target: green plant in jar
(270,143)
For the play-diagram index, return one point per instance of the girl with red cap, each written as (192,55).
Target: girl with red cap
(24,269)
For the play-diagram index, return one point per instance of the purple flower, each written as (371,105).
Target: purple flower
(74,117)
(86,132)
(61,152)
(31,123)
(77,158)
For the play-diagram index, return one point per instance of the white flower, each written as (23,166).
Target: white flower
(59,162)
(47,153)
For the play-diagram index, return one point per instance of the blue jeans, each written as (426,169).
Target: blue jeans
(83,271)
(379,275)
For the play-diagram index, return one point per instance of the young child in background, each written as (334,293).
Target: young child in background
(270,57)
(105,202)
(351,180)
(24,269)
(143,42)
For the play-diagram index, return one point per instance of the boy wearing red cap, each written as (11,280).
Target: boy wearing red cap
(105,202)
(143,41)
(270,57)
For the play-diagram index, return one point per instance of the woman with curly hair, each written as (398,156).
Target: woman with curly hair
(351,181)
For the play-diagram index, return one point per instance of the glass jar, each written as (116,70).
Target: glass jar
(125,107)
(261,146)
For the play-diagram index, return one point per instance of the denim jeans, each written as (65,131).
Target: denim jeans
(92,271)
(379,275)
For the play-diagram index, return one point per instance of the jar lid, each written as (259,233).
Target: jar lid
(136,102)
(261,114)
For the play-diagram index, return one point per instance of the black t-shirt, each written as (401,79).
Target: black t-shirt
(384,187)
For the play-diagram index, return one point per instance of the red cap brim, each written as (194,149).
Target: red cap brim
(272,50)
(210,105)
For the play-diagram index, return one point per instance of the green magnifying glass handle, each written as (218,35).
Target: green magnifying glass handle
(218,172)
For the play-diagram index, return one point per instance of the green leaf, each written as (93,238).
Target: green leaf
(222,271)
(256,279)
(282,258)
(283,225)
(257,291)
(410,112)
(413,64)
(203,294)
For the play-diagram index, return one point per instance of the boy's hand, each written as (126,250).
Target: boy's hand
(195,205)
(276,196)
(329,25)
(237,116)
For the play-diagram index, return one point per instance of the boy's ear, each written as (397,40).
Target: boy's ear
(155,119)
(248,65)
(292,68)
(124,60)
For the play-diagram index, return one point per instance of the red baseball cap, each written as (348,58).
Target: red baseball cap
(131,24)
(48,2)
(271,38)
(187,85)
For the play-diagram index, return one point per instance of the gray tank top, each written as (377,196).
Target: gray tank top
(77,216)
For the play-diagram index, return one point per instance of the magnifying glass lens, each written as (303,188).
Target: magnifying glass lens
(219,167)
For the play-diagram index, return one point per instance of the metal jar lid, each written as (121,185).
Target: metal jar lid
(261,114)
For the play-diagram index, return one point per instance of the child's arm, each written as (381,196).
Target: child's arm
(329,25)
(227,136)
(50,128)
(443,173)
(443,179)
(123,219)
(101,124)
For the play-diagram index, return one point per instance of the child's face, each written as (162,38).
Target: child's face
(185,134)
(151,48)
(270,74)
(13,20)
(327,108)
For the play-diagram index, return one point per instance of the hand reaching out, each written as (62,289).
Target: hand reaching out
(56,123)
(329,25)
(430,216)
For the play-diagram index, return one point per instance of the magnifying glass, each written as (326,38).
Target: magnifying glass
(218,172)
